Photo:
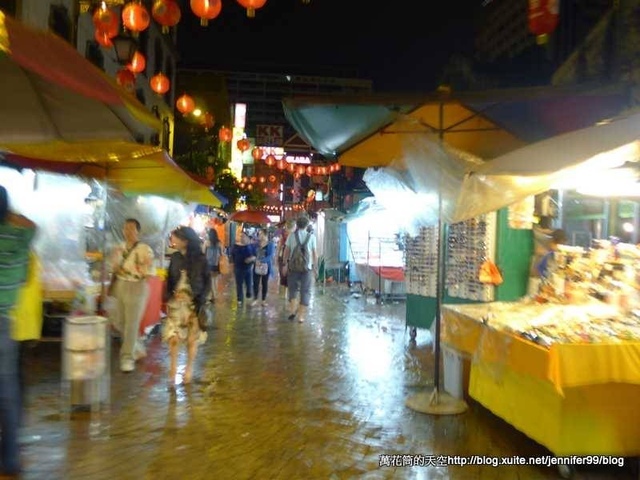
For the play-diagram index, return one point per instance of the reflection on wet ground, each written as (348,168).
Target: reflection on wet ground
(275,399)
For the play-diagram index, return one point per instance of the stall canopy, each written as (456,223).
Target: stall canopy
(147,171)
(367,131)
(54,100)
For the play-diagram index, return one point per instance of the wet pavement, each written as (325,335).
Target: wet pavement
(274,399)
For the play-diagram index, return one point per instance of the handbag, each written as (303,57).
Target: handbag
(114,277)
(205,317)
(223,264)
(261,268)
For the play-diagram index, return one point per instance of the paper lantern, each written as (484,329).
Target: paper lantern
(225,134)
(135,17)
(126,79)
(206,10)
(300,169)
(256,153)
(272,178)
(543,16)
(243,144)
(310,171)
(103,38)
(252,6)
(281,164)
(208,121)
(270,160)
(166,13)
(160,83)
(185,104)
(107,21)
(290,166)
(138,63)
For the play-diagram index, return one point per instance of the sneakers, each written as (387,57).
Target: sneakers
(127,366)
(264,303)
(253,302)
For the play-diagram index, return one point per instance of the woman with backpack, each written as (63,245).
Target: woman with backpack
(301,262)
(213,252)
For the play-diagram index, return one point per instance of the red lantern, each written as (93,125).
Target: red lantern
(310,171)
(166,13)
(126,79)
(135,17)
(252,6)
(270,160)
(107,21)
(281,164)
(225,134)
(272,178)
(256,153)
(185,104)
(253,179)
(336,167)
(291,166)
(138,63)
(160,83)
(206,10)
(543,18)
(262,179)
(208,121)
(301,169)
(103,38)
(243,144)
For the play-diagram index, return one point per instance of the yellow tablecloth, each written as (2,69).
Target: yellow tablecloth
(564,365)
(575,399)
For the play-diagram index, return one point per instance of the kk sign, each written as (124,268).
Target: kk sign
(270,135)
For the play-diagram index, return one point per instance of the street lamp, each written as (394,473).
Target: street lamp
(125,47)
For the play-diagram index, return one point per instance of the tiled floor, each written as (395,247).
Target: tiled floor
(275,399)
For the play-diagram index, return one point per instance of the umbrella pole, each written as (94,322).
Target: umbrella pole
(437,402)
(103,269)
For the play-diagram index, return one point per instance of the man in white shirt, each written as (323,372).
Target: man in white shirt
(132,263)
(300,275)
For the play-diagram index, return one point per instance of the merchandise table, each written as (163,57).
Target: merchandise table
(383,279)
(573,398)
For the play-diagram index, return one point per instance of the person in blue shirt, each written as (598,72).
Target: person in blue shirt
(547,265)
(265,250)
(243,254)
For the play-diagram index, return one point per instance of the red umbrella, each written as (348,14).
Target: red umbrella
(249,216)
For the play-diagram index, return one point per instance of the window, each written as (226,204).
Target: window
(59,21)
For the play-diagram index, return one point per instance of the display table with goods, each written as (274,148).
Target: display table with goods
(566,375)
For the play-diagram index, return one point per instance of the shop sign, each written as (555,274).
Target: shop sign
(270,135)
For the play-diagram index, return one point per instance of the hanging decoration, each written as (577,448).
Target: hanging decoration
(270,160)
(135,17)
(225,134)
(138,63)
(126,79)
(166,13)
(256,153)
(160,83)
(252,6)
(543,16)
(185,104)
(106,22)
(206,10)
(208,121)
(102,38)
(243,144)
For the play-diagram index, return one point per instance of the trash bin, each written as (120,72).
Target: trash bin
(85,362)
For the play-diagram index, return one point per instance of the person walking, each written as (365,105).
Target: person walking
(131,263)
(301,263)
(262,267)
(187,289)
(288,227)
(243,254)
(16,235)
(213,252)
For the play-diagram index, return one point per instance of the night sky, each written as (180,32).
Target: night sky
(401,46)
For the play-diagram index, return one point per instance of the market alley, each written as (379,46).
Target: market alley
(324,399)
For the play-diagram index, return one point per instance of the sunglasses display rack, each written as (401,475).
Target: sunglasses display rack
(469,244)
(421,258)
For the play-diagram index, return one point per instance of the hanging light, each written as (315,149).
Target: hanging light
(208,121)
(102,38)
(243,144)
(125,47)
(166,13)
(126,79)
(160,83)
(256,153)
(106,21)
(206,10)
(185,104)
(135,17)
(252,6)
(225,134)
(138,63)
